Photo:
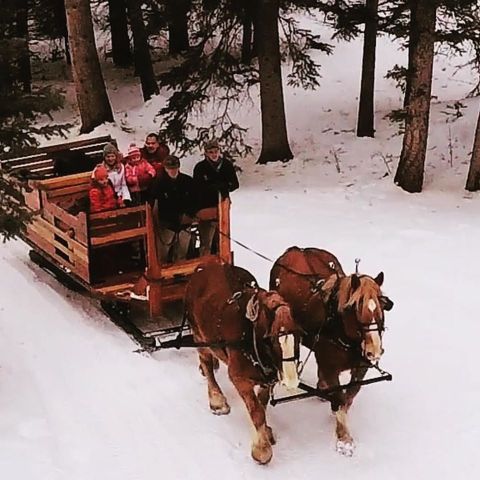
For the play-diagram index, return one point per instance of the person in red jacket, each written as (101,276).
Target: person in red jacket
(102,195)
(139,174)
(155,152)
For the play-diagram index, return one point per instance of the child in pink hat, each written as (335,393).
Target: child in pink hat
(139,174)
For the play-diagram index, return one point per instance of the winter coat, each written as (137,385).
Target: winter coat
(156,158)
(102,197)
(139,175)
(214,178)
(117,176)
(176,199)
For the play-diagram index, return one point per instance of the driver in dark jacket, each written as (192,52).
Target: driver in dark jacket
(214,177)
(174,193)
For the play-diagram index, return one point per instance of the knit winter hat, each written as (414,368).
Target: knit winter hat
(110,148)
(100,173)
(133,150)
(210,144)
(171,162)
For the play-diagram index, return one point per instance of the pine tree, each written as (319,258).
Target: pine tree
(410,171)
(20,115)
(92,97)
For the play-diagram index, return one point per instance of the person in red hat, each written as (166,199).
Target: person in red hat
(102,195)
(139,174)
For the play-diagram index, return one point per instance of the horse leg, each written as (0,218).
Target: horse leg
(217,400)
(358,374)
(261,445)
(345,444)
(264,394)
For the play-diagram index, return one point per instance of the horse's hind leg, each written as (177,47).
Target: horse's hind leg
(264,394)
(261,445)
(216,398)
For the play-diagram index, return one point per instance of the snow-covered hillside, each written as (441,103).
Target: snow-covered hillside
(77,403)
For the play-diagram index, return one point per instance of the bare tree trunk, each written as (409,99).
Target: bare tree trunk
(410,171)
(274,127)
(24,56)
(473,179)
(247,36)
(366,109)
(177,12)
(92,97)
(143,59)
(121,52)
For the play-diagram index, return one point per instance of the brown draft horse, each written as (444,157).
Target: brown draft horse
(252,331)
(344,320)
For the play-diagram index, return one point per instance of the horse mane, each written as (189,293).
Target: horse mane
(368,290)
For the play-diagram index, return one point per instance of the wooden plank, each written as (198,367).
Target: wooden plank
(66,180)
(58,147)
(60,192)
(32,199)
(36,161)
(132,234)
(116,213)
(187,267)
(224,252)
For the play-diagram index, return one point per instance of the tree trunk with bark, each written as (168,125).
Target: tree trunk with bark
(92,97)
(473,179)
(410,171)
(177,12)
(248,19)
(25,70)
(366,108)
(121,51)
(143,59)
(274,126)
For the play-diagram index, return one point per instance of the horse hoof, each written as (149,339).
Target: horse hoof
(345,447)
(262,455)
(220,409)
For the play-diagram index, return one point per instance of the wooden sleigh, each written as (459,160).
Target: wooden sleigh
(111,255)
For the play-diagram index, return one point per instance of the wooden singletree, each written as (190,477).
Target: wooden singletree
(92,97)
(274,126)
(410,171)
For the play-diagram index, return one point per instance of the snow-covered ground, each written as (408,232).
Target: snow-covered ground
(77,403)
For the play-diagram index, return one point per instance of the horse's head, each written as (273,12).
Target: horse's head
(280,333)
(362,304)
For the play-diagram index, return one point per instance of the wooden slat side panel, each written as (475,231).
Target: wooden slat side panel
(65,242)
(117,237)
(65,259)
(68,191)
(116,213)
(65,181)
(78,223)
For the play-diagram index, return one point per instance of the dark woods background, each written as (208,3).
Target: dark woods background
(204,52)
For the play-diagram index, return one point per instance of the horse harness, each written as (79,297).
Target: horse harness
(254,355)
